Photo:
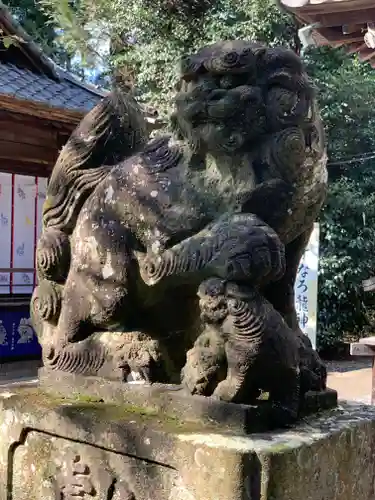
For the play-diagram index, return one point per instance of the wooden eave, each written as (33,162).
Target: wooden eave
(40,110)
(343,23)
(30,144)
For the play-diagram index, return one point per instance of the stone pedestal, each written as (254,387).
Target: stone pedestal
(54,448)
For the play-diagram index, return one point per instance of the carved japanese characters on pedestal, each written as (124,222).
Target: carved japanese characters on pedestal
(77,480)
(174,259)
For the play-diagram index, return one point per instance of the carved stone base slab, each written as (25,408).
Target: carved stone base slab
(54,449)
(174,401)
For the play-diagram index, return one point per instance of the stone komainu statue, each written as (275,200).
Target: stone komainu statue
(175,258)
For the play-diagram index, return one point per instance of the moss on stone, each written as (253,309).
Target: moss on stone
(84,398)
(100,410)
(279,448)
(83,407)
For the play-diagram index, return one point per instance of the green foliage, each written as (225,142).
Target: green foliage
(163,31)
(33,21)
(36,23)
(348,232)
(7,41)
(347,98)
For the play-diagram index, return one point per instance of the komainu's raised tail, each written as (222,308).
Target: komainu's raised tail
(112,131)
(109,133)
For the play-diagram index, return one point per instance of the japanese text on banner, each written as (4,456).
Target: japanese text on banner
(306,287)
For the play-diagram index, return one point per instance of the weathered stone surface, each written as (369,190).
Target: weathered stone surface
(55,449)
(173,260)
(177,401)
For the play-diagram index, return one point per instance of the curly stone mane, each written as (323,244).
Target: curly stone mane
(233,93)
(238,97)
(112,131)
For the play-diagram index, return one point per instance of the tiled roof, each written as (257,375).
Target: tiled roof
(67,93)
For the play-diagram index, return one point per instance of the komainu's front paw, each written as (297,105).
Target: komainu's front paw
(202,371)
(227,390)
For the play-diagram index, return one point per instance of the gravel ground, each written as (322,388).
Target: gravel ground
(351,379)
(18,371)
(348,366)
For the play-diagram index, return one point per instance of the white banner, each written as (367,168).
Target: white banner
(24,232)
(41,193)
(42,190)
(306,287)
(5,230)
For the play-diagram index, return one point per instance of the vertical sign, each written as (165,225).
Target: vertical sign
(306,287)
(23,232)
(5,231)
